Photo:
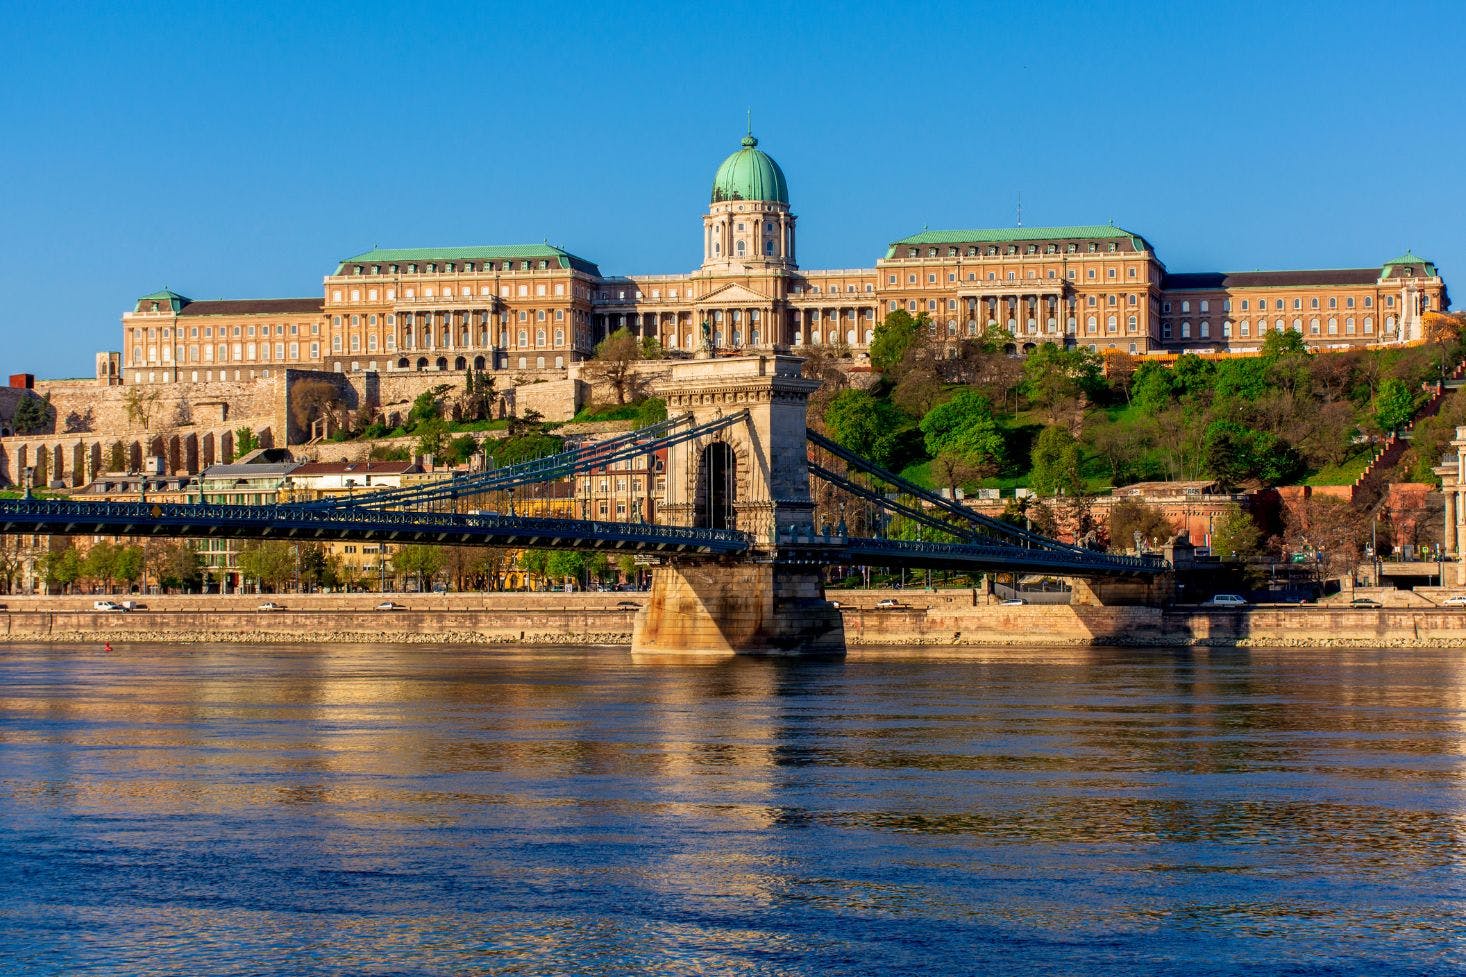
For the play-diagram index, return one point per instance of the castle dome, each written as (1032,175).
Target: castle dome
(750,174)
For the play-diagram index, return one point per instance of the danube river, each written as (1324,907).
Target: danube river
(415,810)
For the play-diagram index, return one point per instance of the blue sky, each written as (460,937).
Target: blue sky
(240,150)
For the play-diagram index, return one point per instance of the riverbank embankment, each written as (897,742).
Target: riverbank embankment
(938,619)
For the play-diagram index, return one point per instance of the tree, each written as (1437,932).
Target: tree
(653,410)
(894,337)
(461,449)
(432,435)
(244,442)
(1055,462)
(1394,405)
(1151,389)
(314,567)
(1055,378)
(565,565)
(139,405)
(61,568)
(419,561)
(869,426)
(523,447)
(1235,536)
(920,387)
(1119,370)
(1130,516)
(1276,345)
(176,565)
(271,563)
(427,406)
(1234,453)
(615,362)
(128,564)
(942,424)
(32,414)
(100,563)
(1329,527)
(478,395)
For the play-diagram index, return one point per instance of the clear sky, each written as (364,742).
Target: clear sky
(240,150)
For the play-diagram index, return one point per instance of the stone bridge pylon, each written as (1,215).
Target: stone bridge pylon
(753,477)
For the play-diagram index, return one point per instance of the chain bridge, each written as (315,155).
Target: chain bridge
(753,507)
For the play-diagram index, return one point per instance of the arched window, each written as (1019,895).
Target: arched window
(1112,324)
(1313,326)
(523,338)
(539,337)
(1091,325)
(1333,326)
(769,247)
(1205,331)
(740,247)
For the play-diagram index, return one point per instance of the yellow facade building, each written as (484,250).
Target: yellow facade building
(540,307)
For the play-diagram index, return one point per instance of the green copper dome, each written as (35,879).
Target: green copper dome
(750,174)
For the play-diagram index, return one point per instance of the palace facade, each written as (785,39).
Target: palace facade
(523,307)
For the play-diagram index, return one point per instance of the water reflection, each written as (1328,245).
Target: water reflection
(368,810)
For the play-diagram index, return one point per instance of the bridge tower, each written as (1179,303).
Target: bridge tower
(752,477)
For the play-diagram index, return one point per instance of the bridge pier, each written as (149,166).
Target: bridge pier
(718,610)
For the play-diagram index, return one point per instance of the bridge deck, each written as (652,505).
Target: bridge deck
(288,522)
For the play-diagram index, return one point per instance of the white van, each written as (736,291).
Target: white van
(1226,600)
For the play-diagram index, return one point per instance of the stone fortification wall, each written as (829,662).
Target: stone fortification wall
(937,620)
(189,425)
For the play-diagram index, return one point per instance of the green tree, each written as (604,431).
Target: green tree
(427,406)
(177,566)
(1152,389)
(894,337)
(461,448)
(523,447)
(565,565)
(653,410)
(869,426)
(478,395)
(1235,536)
(270,563)
(422,562)
(32,414)
(244,442)
(100,564)
(1055,462)
(1276,345)
(128,564)
(1394,405)
(1054,378)
(61,568)
(941,424)
(432,436)
(1235,453)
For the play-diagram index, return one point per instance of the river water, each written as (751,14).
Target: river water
(416,810)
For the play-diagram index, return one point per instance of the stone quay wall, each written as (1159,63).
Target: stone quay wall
(936,620)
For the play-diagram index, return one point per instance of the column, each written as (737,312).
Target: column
(1453,503)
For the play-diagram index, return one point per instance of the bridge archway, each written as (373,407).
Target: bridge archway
(717,487)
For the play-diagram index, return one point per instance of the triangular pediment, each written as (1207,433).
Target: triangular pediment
(734,294)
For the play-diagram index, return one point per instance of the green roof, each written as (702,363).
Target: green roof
(1000,235)
(165,295)
(750,174)
(487,252)
(1411,258)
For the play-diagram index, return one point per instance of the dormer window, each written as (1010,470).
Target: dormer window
(913,253)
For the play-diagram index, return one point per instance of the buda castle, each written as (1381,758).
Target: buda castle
(538,307)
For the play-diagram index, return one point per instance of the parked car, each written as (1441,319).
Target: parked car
(134,605)
(1012,602)
(628,603)
(888,603)
(1364,602)
(835,604)
(1226,600)
(1458,600)
(107,605)
(270,605)
(390,605)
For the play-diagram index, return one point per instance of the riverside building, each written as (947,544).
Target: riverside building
(540,307)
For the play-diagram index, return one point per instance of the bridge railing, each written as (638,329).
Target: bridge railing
(43,512)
